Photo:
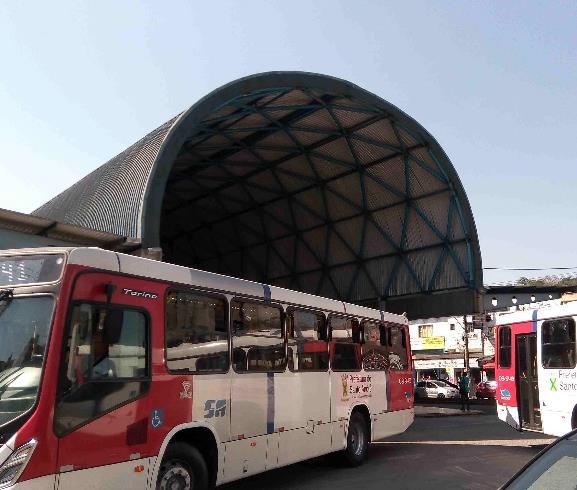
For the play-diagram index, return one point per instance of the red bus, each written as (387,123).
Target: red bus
(122,372)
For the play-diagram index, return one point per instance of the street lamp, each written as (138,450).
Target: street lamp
(494,301)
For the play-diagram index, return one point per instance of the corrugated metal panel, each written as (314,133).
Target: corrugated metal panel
(110,198)
(377,196)
(342,277)
(381,131)
(422,182)
(419,234)
(392,172)
(338,150)
(339,251)
(306,261)
(375,244)
(391,221)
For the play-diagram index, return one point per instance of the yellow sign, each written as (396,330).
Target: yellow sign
(427,343)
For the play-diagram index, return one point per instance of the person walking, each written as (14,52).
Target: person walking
(464,387)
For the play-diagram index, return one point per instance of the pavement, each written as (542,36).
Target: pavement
(435,411)
(452,453)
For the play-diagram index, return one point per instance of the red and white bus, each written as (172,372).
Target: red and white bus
(536,368)
(122,372)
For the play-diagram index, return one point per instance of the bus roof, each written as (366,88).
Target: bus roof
(152,269)
(539,311)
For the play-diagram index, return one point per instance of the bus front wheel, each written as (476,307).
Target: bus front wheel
(357,440)
(182,468)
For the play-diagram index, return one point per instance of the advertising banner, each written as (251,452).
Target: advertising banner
(428,343)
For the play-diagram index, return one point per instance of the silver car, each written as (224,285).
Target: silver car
(435,389)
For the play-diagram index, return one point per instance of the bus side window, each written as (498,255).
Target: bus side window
(558,343)
(345,342)
(306,340)
(258,337)
(196,333)
(398,357)
(505,347)
(375,353)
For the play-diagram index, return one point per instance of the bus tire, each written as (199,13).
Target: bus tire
(357,440)
(574,418)
(183,466)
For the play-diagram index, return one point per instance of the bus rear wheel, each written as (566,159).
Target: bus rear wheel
(357,440)
(182,468)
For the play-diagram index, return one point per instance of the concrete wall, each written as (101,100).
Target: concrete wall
(16,239)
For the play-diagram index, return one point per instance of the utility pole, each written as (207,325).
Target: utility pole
(466,340)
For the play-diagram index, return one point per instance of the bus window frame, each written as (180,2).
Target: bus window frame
(146,381)
(405,339)
(572,319)
(510,347)
(227,321)
(288,312)
(385,332)
(331,341)
(279,306)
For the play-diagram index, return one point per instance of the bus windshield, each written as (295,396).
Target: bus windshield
(24,326)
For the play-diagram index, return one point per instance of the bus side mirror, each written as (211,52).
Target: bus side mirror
(113,326)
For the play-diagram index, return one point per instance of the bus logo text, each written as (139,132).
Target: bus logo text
(138,294)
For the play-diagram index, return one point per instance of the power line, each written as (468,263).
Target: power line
(529,268)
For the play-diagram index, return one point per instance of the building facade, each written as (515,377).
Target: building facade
(443,347)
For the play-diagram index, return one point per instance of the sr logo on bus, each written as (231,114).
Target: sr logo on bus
(214,408)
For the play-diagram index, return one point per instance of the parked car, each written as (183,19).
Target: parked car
(486,389)
(435,389)
(448,383)
(552,468)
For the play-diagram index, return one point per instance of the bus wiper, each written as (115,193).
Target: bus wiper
(6,296)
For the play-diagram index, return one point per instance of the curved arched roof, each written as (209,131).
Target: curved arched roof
(295,179)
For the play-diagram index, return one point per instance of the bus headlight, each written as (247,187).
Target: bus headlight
(13,467)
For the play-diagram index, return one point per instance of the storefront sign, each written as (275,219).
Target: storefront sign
(428,343)
(442,363)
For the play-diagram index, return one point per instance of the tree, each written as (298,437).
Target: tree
(568,280)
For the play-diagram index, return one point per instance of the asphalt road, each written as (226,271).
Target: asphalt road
(467,452)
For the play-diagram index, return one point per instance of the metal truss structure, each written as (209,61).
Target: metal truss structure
(293,179)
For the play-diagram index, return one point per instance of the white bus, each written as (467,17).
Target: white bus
(536,368)
(122,372)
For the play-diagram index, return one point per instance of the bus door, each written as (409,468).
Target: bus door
(104,416)
(258,355)
(528,388)
(303,393)
(349,386)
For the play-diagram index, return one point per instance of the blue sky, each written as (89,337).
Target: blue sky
(494,82)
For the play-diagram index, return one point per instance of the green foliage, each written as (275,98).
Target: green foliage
(553,280)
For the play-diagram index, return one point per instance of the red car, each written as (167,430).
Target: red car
(486,389)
